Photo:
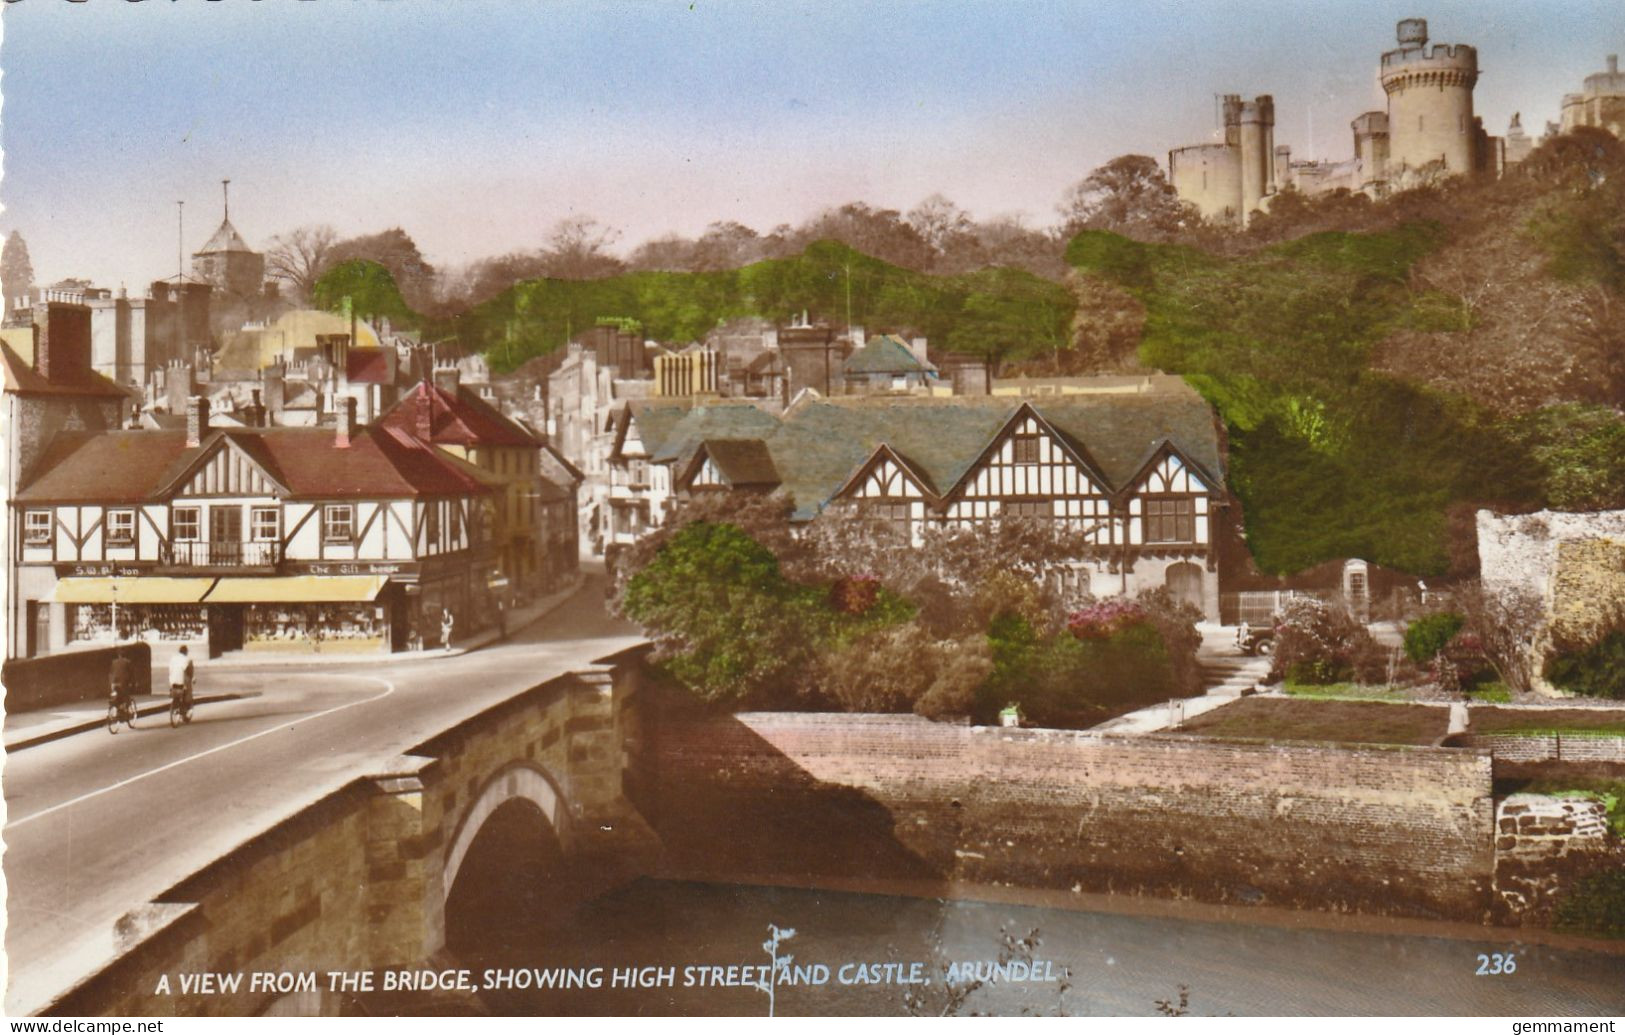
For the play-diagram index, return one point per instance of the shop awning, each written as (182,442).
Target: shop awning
(137,589)
(298,589)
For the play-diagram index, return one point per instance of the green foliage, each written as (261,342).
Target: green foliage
(1595,906)
(1319,644)
(1596,668)
(1493,692)
(1427,636)
(1580,451)
(369,289)
(904,667)
(995,312)
(1329,458)
(730,625)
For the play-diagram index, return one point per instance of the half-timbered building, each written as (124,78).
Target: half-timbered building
(1139,476)
(259,538)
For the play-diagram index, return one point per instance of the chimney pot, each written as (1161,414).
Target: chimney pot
(425,413)
(197,420)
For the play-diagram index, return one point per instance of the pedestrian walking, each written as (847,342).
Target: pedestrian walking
(446,623)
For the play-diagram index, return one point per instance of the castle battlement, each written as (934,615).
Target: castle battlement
(1439,55)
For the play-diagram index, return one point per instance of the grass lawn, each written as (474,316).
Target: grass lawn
(1580,722)
(1343,692)
(1346,722)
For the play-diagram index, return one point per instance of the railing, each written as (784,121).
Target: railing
(223,554)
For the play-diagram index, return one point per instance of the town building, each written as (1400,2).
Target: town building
(457,421)
(1139,475)
(341,538)
(1600,102)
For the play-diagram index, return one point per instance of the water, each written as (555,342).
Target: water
(1116,964)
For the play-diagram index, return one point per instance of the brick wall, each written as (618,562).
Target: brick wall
(1548,747)
(796,796)
(72,677)
(1544,846)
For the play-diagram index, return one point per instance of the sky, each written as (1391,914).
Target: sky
(476,125)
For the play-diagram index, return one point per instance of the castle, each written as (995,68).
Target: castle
(1600,103)
(1429,131)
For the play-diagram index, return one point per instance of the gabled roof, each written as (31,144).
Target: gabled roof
(136,466)
(225,239)
(463,419)
(743,463)
(884,452)
(22,379)
(655,420)
(886,354)
(708,421)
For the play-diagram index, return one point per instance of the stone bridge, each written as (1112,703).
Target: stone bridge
(377,875)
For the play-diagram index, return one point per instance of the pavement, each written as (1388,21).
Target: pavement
(1226,675)
(41,726)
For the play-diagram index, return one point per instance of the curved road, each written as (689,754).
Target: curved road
(98,825)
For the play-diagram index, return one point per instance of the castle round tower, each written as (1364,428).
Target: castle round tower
(1430,104)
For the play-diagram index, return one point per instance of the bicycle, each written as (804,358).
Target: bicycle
(120,709)
(180,708)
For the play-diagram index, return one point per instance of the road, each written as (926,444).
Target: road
(98,825)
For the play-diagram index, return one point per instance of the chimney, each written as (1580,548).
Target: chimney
(921,350)
(447,379)
(197,420)
(425,429)
(62,350)
(1613,64)
(275,391)
(346,422)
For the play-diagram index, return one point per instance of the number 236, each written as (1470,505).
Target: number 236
(1497,963)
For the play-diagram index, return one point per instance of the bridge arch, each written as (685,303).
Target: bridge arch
(521,781)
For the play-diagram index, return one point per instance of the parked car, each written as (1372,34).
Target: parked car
(1255,639)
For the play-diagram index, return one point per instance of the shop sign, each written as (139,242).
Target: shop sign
(354,568)
(97,570)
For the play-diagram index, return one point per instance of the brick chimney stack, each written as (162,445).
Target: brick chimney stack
(197,420)
(346,427)
(62,349)
(425,414)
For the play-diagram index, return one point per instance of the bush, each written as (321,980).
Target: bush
(1596,906)
(1597,669)
(1426,637)
(1317,643)
(904,668)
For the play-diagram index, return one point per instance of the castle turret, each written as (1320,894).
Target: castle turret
(1371,152)
(1430,105)
(1229,181)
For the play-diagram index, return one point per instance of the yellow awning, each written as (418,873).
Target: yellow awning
(130,590)
(298,589)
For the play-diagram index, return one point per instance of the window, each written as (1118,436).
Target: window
(37,527)
(431,523)
(1026,449)
(120,527)
(456,523)
(188,525)
(1169,521)
(1028,509)
(894,514)
(338,522)
(264,524)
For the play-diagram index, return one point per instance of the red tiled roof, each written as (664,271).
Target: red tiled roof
(463,419)
(131,466)
(368,366)
(23,379)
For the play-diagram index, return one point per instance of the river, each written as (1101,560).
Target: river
(680,938)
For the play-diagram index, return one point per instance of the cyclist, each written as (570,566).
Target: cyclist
(180,678)
(122,677)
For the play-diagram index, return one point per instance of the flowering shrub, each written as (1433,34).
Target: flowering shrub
(854,595)
(1318,643)
(1106,618)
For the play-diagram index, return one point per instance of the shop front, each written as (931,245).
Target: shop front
(139,608)
(300,614)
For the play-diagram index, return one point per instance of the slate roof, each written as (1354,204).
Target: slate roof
(822,443)
(735,420)
(463,419)
(22,379)
(135,466)
(742,462)
(886,354)
(225,239)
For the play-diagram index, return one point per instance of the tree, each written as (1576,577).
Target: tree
(1128,195)
(301,256)
(395,250)
(16,271)
(940,222)
(1106,326)
(577,249)
(368,289)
